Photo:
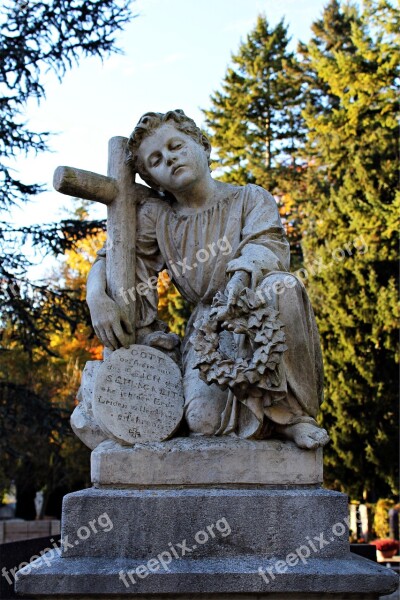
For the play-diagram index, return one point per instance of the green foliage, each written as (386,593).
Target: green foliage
(173,309)
(331,33)
(351,229)
(255,122)
(26,421)
(37,37)
(381,517)
(319,130)
(32,311)
(38,388)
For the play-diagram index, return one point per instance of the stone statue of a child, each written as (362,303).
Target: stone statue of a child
(213,237)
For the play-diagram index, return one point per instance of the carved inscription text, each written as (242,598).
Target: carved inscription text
(138,395)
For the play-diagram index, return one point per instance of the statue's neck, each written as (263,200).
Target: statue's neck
(199,196)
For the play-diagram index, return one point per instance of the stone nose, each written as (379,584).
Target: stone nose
(171,159)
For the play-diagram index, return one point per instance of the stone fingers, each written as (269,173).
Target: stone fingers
(108,337)
(101,336)
(117,334)
(126,324)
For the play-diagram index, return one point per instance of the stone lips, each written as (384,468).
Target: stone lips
(138,395)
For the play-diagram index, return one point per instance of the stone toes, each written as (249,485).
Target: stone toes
(308,442)
(322,437)
(312,443)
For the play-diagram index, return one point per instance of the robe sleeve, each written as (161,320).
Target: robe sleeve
(149,263)
(263,247)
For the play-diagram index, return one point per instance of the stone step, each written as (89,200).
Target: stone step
(218,523)
(335,579)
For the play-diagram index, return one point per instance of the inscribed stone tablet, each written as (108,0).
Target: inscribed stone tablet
(138,396)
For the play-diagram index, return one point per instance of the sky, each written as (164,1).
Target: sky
(176,53)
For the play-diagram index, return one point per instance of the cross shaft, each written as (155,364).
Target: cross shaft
(120,193)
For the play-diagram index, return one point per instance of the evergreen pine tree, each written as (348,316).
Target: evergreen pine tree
(331,33)
(254,122)
(350,237)
(37,37)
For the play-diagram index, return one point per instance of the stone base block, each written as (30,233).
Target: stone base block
(229,579)
(203,544)
(200,461)
(225,523)
(285,596)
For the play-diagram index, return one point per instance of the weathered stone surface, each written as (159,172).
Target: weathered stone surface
(138,395)
(83,422)
(393,596)
(236,262)
(206,461)
(183,542)
(333,579)
(257,522)
(234,596)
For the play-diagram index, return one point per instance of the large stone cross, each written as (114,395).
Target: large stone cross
(120,193)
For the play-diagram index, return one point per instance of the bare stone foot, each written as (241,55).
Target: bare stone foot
(305,435)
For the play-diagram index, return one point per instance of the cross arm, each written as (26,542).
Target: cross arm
(85,184)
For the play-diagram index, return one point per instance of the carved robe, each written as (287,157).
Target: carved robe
(201,248)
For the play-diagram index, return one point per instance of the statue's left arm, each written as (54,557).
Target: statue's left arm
(264,246)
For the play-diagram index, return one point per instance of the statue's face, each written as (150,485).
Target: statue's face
(173,159)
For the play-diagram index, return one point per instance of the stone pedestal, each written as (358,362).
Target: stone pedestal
(199,461)
(202,520)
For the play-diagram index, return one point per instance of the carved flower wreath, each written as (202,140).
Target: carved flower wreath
(265,343)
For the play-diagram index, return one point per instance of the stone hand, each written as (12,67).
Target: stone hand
(239,281)
(110,322)
(235,286)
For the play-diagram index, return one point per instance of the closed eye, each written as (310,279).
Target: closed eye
(154,162)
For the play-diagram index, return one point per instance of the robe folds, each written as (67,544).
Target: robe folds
(201,248)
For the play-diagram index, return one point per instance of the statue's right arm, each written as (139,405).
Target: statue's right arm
(109,321)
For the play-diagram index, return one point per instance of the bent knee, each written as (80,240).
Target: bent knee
(203,415)
(279,283)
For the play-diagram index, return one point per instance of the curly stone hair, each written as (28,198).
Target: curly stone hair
(147,125)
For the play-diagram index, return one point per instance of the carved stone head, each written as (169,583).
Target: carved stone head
(148,124)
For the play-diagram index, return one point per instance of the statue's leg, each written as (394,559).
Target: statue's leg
(209,410)
(204,404)
(294,416)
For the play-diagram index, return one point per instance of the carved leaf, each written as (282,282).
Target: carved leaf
(264,334)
